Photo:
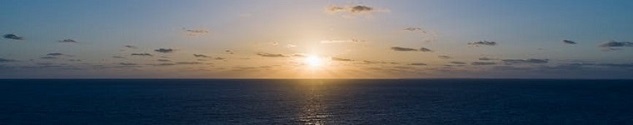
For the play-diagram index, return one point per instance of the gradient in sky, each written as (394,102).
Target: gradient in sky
(316,39)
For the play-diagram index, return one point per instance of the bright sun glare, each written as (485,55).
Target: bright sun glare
(313,61)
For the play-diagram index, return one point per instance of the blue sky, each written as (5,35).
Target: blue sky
(352,39)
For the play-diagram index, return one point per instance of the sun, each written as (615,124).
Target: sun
(313,61)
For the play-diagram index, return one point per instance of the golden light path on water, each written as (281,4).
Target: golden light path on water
(314,109)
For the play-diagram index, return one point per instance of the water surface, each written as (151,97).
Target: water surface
(432,101)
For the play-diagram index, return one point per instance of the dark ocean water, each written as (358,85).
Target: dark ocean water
(445,101)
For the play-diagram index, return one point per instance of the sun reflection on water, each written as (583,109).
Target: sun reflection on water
(314,109)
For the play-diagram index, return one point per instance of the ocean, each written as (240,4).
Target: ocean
(314,101)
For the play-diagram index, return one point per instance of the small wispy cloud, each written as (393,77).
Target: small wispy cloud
(141,54)
(569,42)
(413,29)
(163,60)
(361,8)
(290,46)
(482,63)
(443,57)
(195,32)
(54,54)
(128,64)
(188,63)
(418,64)
(353,10)
(396,48)
(341,59)
(48,57)
(371,62)
(350,9)
(427,36)
(12,36)
(270,55)
(162,64)
(67,41)
(613,45)
(423,49)
(298,55)
(486,59)
(229,51)
(164,50)
(525,61)
(74,60)
(201,56)
(617,65)
(130,46)
(3,60)
(458,63)
(342,41)
(483,43)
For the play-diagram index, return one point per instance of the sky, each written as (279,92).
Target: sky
(567,39)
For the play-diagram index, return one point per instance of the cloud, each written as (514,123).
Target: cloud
(413,29)
(13,37)
(118,57)
(128,64)
(569,42)
(200,56)
(418,64)
(188,63)
(298,55)
(611,44)
(74,60)
(163,64)
(427,36)
(335,8)
(164,50)
(361,8)
(340,59)
(350,9)
(403,49)
(130,46)
(372,62)
(483,43)
(505,68)
(425,49)
(486,58)
(270,55)
(248,68)
(291,46)
(482,63)
(572,66)
(219,58)
(458,63)
(54,54)
(2,60)
(48,57)
(229,51)
(141,54)
(67,41)
(443,57)
(51,65)
(200,31)
(525,61)
(195,32)
(354,10)
(163,60)
(617,65)
(342,41)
